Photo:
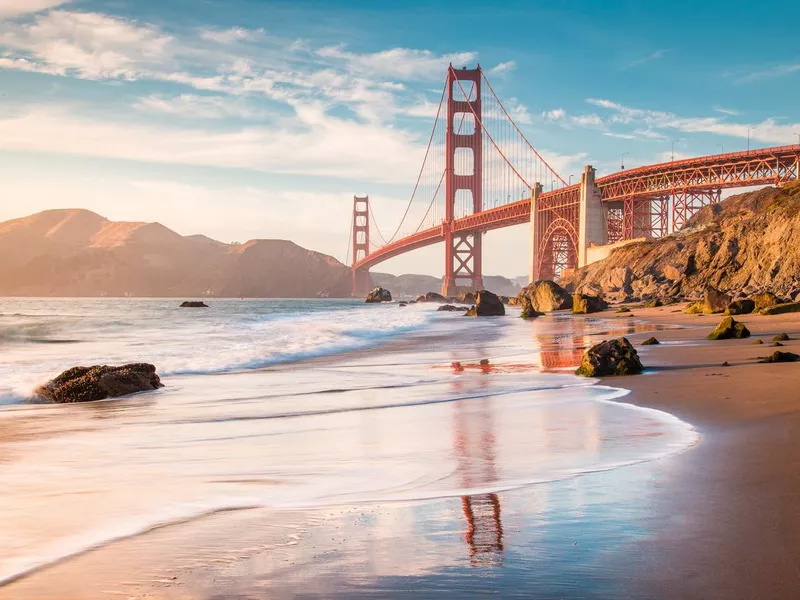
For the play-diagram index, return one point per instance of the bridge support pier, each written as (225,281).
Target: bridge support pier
(592,225)
(532,270)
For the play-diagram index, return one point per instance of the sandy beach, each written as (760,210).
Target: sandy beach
(715,521)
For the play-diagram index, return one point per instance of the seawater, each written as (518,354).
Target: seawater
(291,404)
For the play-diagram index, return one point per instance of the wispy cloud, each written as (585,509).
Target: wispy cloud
(192,106)
(401,63)
(646,59)
(503,67)
(726,111)
(771,72)
(10,9)
(232,35)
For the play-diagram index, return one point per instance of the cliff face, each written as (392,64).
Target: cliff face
(746,244)
(79,253)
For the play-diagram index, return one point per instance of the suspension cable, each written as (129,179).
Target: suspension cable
(349,241)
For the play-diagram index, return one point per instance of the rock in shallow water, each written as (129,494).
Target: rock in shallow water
(379,294)
(611,357)
(85,384)
(487,304)
(193,304)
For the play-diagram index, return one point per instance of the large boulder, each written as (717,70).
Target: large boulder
(84,384)
(193,304)
(740,307)
(487,304)
(546,296)
(466,297)
(778,357)
(379,294)
(764,300)
(780,309)
(432,297)
(528,312)
(611,357)
(585,304)
(729,329)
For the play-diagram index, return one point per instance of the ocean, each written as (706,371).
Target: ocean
(293,404)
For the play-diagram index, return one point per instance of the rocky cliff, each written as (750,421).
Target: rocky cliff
(80,253)
(746,244)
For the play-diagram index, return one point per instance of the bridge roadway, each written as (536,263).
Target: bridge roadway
(762,166)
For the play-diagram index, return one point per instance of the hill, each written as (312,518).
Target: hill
(748,243)
(80,253)
(414,285)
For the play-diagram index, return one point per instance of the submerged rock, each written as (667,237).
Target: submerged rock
(740,307)
(85,384)
(729,329)
(449,308)
(432,297)
(779,309)
(379,294)
(611,357)
(780,357)
(487,304)
(193,304)
(585,304)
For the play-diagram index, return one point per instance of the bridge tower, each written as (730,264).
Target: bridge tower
(463,251)
(361,280)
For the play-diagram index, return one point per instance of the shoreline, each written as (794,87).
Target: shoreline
(676,559)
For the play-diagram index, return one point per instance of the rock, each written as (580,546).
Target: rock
(467,298)
(740,307)
(457,366)
(585,304)
(402,304)
(779,309)
(781,337)
(651,341)
(528,312)
(513,301)
(432,297)
(611,357)
(765,300)
(758,341)
(449,308)
(484,362)
(623,309)
(505,299)
(653,303)
(725,364)
(487,304)
(776,344)
(715,301)
(546,296)
(729,329)
(379,294)
(673,273)
(85,384)
(780,357)
(193,304)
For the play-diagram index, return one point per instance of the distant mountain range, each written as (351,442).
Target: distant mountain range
(79,253)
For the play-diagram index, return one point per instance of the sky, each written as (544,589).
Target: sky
(244,119)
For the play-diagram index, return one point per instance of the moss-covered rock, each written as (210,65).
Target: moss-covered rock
(780,357)
(740,307)
(758,341)
(651,341)
(545,296)
(781,337)
(623,309)
(780,309)
(729,329)
(611,357)
(584,304)
(528,312)
(766,300)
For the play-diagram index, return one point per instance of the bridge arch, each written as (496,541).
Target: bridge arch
(558,249)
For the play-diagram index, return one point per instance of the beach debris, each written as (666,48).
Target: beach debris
(729,329)
(610,357)
(780,357)
(726,364)
(545,296)
(651,341)
(449,308)
(85,384)
(623,309)
(758,341)
(193,304)
(780,309)
(740,307)
(379,294)
(585,304)
(457,366)
(487,304)
(432,297)
(781,337)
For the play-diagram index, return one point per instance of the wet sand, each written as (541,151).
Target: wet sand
(717,521)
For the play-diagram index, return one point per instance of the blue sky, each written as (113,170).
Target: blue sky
(256,119)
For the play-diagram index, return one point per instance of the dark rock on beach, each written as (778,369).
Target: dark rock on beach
(545,296)
(194,304)
(449,308)
(585,304)
(487,304)
(651,341)
(781,337)
(729,329)
(780,357)
(611,357)
(85,384)
(379,294)
(432,297)
(780,309)
(741,307)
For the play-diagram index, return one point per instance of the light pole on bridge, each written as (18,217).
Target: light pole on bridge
(622,161)
(721,148)
(749,129)
(798,138)
(673,147)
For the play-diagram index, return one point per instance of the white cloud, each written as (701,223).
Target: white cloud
(503,67)
(91,45)
(199,107)
(726,111)
(10,9)
(320,145)
(232,35)
(555,115)
(402,63)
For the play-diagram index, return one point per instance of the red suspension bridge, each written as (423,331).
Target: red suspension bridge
(480,173)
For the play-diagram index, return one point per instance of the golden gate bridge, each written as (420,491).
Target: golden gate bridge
(480,173)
